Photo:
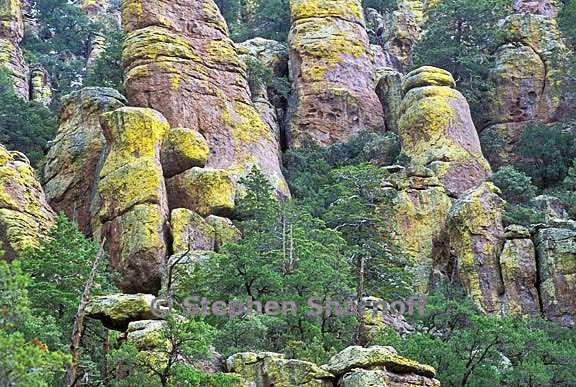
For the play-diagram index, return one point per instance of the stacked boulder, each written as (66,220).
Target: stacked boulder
(332,73)
(11,34)
(530,80)
(179,60)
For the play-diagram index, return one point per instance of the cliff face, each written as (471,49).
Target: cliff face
(11,34)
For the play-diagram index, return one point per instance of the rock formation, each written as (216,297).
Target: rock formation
(72,164)
(130,210)
(389,91)
(437,131)
(11,34)
(179,60)
(531,79)
(332,73)
(40,86)
(25,216)
(476,235)
(415,206)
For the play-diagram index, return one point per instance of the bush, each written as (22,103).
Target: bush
(516,186)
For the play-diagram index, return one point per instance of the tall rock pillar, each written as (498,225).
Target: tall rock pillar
(179,60)
(332,73)
(11,34)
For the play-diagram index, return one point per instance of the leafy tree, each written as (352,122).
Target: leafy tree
(24,126)
(516,186)
(460,36)
(547,153)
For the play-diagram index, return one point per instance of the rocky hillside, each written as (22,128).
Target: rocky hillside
(285,193)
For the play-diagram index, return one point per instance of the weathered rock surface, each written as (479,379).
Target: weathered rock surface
(179,60)
(381,366)
(332,73)
(190,232)
(40,86)
(415,206)
(131,207)
(556,254)
(183,149)
(519,273)
(531,77)
(437,131)
(11,33)
(225,231)
(389,91)
(272,369)
(25,216)
(71,166)
(476,238)
(551,206)
(116,311)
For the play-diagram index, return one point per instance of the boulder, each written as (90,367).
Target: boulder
(556,262)
(183,149)
(179,60)
(131,208)
(519,273)
(225,231)
(25,216)
(117,311)
(415,206)
(389,91)
(190,232)
(374,358)
(271,53)
(384,378)
(179,271)
(332,73)
(272,369)
(437,131)
(71,166)
(206,191)
(476,237)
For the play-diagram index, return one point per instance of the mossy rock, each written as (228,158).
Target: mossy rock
(190,231)
(183,149)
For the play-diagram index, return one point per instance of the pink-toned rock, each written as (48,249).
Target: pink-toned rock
(11,33)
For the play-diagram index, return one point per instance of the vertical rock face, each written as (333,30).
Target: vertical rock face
(332,73)
(25,216)
(437,131)
(476,238)
(519,273)
(179,60)
(531,77)
(40,87)
(11,33)
(415,207)
(131,207)
(71,167)
(556,255)
(389,91)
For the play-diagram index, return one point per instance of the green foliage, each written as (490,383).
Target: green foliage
(548,152)
(469,348)
(523,215)
(566,21)
(516,186)
(24,126)
(108,70)
(381,6)
(460,36)
(25,363)
(269,19)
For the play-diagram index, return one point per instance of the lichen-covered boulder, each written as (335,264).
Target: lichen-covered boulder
(476,237)
(71,166)
(183,149)
(437,131)
(415,206)
(40,87)
(375,358)
(389,91)
(130,210)
(332,73)
(225,231)
(117,311)
(266,369)
(383,378)
(180,270)
(206,191)
(556,255)
(179,60)
(271,53)
(190,231)
(25,216)
(519,273)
